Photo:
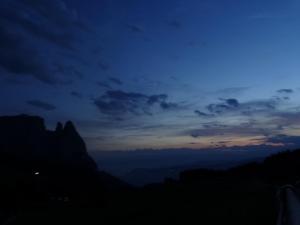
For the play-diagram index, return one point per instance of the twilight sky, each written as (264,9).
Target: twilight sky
(135,74)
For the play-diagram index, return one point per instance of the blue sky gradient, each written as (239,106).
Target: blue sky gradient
(139,74)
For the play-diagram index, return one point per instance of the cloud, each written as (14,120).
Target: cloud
(115,81)
(121,95)
(55,11)
(232,102)
(67,70)
(271,127)
(226,105)
(202,114)
(168,105)
(104,66)
(232,105)
(157,98)
(24,25)
(233,91)
(218,108)
(104,84)
(286,119)
(41,105)
(116,102)
(51,20)
(135,28)
(19,59)
(119,103)
(175,24)
(264,16)
(215,129)
(285,140)
(76,94)
(285,91)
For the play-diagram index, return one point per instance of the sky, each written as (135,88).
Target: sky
(159,74)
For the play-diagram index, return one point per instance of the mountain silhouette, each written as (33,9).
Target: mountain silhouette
(26,137)
(40,167)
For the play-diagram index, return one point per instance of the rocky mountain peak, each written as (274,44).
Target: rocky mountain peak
(26,137)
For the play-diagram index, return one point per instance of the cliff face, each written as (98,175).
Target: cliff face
(26,137)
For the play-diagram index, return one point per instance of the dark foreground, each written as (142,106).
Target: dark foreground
(163,205)
(243,195)
(47,177)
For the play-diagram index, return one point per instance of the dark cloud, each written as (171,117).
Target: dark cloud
(14,81)
(243,129)
(24,24)
(233,91)
(97,50)
(115,81)
(175,24)
(232,102)
(104,84)
(104,66)
(192,43)
(41,105)
(260,106)
(76,94)
(110,108)
(195,44)
(202,114)
(57,12)
(285,91)
(67,70)
(53,20)
(118,103)
(121,95)
(168,105)
(286,119)
(286,140)
(10,17)
(157,98)
(226,105)
(218,108)
(135,28)
(281,98)
(19,59)
(232,105)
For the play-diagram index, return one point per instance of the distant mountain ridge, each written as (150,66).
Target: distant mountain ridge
(278,169)
(142,167)
(144,176)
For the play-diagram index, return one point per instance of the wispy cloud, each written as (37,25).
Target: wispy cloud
(285,140)
(202,114)
(104,84)
(115,81)
(248,129)
(119,103)
(285,91)
(76,94)
(265,16)
(41,105)
(135,28)
(233,106)
(232,91)
(23,22)
(175,24)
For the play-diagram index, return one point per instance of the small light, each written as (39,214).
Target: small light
(36,173)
